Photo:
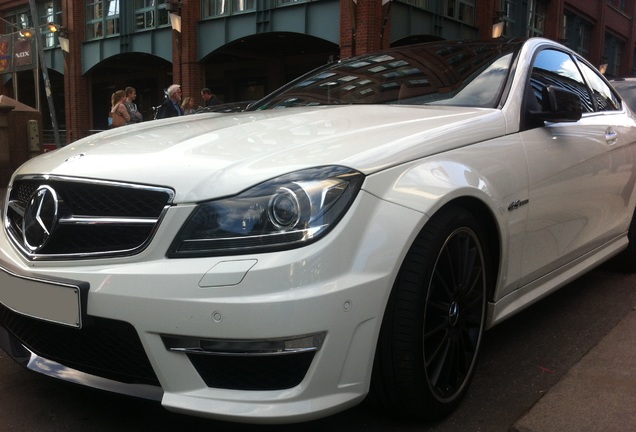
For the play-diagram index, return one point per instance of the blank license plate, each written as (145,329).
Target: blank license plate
(56,302)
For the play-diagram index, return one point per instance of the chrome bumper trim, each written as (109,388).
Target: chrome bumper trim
(245,348)
(31,361)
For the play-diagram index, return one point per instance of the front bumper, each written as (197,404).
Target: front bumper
(335,289)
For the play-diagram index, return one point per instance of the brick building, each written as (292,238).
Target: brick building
(243,49)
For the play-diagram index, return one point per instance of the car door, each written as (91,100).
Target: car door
(580,173)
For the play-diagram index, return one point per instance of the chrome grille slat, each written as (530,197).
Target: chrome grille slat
(17,206)
(95,218)
(81,220)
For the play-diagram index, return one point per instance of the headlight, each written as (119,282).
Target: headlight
(283,213)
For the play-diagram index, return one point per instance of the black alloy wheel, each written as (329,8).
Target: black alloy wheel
(434,321)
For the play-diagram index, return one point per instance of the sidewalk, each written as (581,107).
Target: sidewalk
(597,394)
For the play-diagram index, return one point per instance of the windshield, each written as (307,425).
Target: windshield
(449,73)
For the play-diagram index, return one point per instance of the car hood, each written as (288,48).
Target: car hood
(206,156)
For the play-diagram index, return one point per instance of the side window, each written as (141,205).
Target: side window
(558,69)
(603,96)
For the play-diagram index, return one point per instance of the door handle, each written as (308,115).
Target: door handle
(611,136)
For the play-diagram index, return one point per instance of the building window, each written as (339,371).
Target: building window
(20,18)
(536,18)
(461,10)
(288,2)
(216,8)
(150,14)
(243,5)
(509,8)
(50,12)
(613,52)
(617,4)
(102,18)
(419,3)
(523,18)
(213,8)
(577,33)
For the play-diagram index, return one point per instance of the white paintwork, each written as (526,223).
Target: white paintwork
(211,155)
(580,189)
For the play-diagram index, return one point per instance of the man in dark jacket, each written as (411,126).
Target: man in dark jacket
(171,107)
(209,99)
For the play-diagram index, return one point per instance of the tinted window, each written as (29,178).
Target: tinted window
(450,73)
(558,69)
(627,89)
(604,98)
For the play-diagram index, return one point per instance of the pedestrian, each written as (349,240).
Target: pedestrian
(188,106)
(118,115)
(171,106)
(209,99)
(131,106)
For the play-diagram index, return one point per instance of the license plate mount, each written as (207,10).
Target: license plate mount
(61,302)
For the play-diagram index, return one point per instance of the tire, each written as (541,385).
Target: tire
(434,321)
(626,260)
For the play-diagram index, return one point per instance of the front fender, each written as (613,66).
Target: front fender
(494,172)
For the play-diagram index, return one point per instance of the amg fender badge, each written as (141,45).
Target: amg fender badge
(516,204)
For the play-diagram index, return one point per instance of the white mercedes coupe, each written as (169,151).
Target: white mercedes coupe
(354,233)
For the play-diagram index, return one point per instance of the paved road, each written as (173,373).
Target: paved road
(522,358)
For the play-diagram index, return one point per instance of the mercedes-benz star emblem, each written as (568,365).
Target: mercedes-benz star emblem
(40,218)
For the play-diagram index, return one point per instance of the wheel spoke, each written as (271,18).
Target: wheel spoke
(443,285)
(454,314)
(439,306)
(435,331)
(438,360)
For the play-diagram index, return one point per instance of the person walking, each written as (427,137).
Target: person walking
(171,107)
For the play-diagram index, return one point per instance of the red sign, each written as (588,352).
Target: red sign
(5,54)
(16,53)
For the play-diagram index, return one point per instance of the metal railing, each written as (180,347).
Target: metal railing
(48,138)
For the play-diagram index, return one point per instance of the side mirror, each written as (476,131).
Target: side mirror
(558,105)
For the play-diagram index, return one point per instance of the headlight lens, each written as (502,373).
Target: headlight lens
(286,212)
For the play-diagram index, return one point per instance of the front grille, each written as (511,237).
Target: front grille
(266,372)
(91,218)
(107,348)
